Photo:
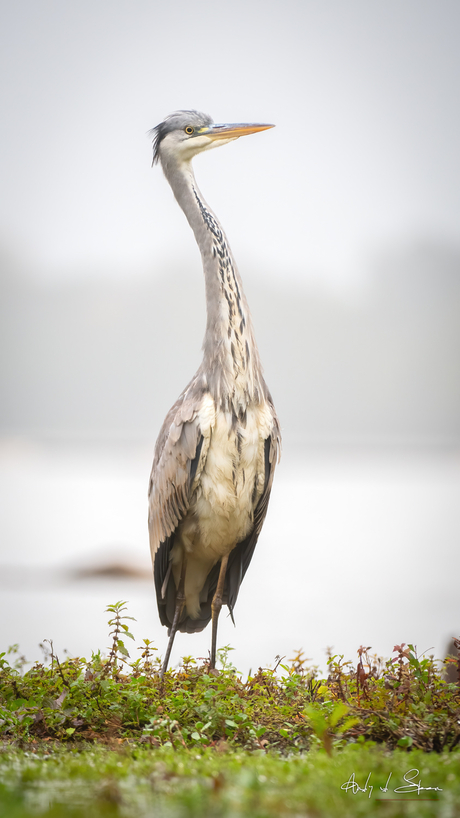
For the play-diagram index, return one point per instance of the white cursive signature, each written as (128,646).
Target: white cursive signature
(410,786)
(354,787)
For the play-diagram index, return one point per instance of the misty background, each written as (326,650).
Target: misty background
(345,223)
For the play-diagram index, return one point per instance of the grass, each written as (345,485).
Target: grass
(136,781)
(106,736)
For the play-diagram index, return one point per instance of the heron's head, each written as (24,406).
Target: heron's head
(185,133)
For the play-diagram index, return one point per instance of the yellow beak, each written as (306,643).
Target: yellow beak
(234,131)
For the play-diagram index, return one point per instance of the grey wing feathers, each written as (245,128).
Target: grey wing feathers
(178,461)
(241,556)
(171,477)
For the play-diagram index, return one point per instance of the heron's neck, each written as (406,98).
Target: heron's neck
(231,361)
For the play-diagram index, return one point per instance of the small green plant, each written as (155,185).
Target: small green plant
(118,649)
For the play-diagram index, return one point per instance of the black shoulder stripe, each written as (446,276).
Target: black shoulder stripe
(196,460)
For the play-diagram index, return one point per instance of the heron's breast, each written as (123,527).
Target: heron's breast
(222,509)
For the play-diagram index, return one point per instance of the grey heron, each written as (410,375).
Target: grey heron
(216,452)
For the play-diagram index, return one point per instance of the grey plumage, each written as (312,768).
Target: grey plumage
(217,449)
(173,122)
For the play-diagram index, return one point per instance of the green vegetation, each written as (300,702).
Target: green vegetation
(107,736)
(402,702)
(134,782)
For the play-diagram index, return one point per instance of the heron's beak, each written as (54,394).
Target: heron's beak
(234,131)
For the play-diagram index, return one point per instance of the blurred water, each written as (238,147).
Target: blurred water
(356,549)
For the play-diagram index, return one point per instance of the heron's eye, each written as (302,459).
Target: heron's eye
(189,129)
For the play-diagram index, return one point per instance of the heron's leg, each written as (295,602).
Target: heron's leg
(216,605)
(180,602)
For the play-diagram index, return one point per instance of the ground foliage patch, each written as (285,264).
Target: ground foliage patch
(401,702)
(53,780)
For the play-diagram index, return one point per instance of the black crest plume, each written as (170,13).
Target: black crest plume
(176,121)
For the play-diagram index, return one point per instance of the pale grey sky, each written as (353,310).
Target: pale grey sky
(365,154)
